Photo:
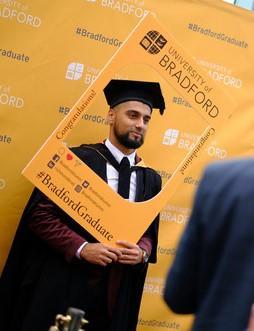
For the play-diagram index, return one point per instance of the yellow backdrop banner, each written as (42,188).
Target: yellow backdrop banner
(51,52)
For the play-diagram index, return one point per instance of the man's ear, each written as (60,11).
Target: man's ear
(110,116)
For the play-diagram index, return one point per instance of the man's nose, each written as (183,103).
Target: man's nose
(140,123)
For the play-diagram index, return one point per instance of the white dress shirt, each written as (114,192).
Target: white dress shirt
(113,175)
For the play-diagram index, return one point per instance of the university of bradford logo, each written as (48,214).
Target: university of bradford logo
(153,42)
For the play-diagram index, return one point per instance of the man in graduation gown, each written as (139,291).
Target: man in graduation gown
(54,263)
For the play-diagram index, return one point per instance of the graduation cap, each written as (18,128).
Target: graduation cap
(118,91)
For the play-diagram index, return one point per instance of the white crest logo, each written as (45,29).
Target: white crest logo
(2,183)
(74,71)
(170,137)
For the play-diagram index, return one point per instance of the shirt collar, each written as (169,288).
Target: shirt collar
(118,155)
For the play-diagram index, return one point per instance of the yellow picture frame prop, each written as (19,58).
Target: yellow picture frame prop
(74,187)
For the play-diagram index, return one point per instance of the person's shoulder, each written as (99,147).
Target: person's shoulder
(232,176)
(153,172)
(233,167)
(153,177)
(86,149)
(148,169)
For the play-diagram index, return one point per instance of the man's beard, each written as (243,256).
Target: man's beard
(127,142)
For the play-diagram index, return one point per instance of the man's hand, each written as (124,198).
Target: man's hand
(130,253)
(100,254)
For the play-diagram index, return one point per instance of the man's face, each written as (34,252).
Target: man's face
(129,123)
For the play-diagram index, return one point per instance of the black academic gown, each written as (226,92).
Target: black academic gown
(37,282)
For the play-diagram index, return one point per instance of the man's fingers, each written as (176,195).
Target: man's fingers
(114,250)
(132,252)
(107,260)
(98,253)
(125,244)
(112,256)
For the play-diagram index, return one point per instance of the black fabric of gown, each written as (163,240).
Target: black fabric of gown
(37,282)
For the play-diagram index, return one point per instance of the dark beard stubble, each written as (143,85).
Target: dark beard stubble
(127,142)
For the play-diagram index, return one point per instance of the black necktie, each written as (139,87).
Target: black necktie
(124,178)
